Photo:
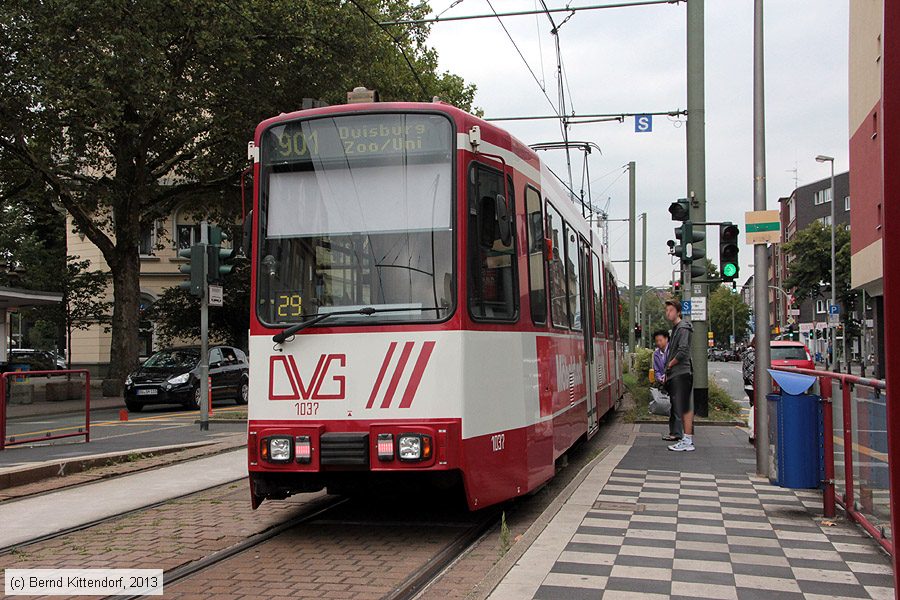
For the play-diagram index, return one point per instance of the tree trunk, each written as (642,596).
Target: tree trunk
(124,346)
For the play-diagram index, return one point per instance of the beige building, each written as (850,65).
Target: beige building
(159,270)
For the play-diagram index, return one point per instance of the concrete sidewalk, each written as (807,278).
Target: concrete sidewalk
(46,514)
(651,524)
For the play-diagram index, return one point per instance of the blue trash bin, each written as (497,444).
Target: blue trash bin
(795,434)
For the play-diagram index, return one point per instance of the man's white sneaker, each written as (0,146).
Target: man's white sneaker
(682,446)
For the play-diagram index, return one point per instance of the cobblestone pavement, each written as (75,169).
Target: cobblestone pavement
(163,537)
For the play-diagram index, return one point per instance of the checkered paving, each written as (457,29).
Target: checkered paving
(664,534)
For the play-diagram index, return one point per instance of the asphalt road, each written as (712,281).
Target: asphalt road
(154,427)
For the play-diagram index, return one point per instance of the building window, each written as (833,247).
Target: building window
(846,203)
(147,243)
(825,221)
(145,327)
(186,235)
(792,210)
(821,307)
(822,197)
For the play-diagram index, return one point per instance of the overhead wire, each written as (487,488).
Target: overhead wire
(397,43)
(522,56)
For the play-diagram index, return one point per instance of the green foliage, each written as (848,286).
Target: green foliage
(43,335)
(643,362)
(176,312)
(712,272)
(124,110)
(721,303)
(721,403)
(810,264)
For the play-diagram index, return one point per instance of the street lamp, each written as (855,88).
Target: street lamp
(830,159)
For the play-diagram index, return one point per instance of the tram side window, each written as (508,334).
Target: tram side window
(493,293)
(557,269)
(535,229)
(573,275)
(599,328)
(613,308)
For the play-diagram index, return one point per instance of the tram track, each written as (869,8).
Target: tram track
(457,535)
(11,548)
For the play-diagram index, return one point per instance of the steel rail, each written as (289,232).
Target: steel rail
(95,522)
(310,511)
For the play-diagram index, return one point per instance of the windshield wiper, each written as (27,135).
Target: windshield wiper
(287,332)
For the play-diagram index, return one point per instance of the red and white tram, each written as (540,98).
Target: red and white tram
(430,306)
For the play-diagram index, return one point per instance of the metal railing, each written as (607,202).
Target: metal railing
(5,389)
(865,491)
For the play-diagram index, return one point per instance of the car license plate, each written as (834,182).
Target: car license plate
(147,392)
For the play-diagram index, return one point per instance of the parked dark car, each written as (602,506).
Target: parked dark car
(34,360)
(172,376)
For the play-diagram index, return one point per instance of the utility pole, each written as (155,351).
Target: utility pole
(696,187)
(204,331)
(632,226)
(760,259)
(644,332)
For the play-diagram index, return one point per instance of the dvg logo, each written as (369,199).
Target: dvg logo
(311,389)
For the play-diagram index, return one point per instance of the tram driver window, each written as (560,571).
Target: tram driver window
(492,287)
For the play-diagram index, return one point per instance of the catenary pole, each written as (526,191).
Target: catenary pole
(632,227)
(696,185)
(644,332)
(760,258)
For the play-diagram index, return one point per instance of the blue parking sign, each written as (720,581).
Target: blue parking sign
(643,123)
(834,309)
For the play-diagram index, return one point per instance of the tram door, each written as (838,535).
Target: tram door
(587,319)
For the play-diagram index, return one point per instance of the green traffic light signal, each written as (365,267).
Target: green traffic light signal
(728,251)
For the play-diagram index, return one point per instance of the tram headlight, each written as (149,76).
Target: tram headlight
(414,446)
(280,448)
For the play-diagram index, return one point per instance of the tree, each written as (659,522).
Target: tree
(84,300)
(723,305)
(712,272)
(809,270)
(176,312)
(125,109)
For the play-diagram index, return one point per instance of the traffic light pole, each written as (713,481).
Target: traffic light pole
(761,379)
(204,331)
(696,185)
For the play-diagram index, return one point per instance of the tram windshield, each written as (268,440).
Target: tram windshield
(356,212)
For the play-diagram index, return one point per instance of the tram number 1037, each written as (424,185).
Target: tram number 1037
(498,442)
(306,409)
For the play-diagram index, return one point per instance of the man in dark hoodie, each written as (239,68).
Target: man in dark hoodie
(680,375)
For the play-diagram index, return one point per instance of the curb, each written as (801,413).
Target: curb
(696,423)
(17,476)
(505,564)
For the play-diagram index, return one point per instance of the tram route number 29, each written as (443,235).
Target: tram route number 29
(498,442)
(306,409)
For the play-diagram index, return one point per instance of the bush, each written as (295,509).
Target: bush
(643,363)
(721,402)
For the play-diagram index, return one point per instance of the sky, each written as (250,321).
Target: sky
(633,60)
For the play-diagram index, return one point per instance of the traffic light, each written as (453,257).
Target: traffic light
(676,286)
(680,209)
(194,269)
(219,258)
(637,331)
(728,251)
